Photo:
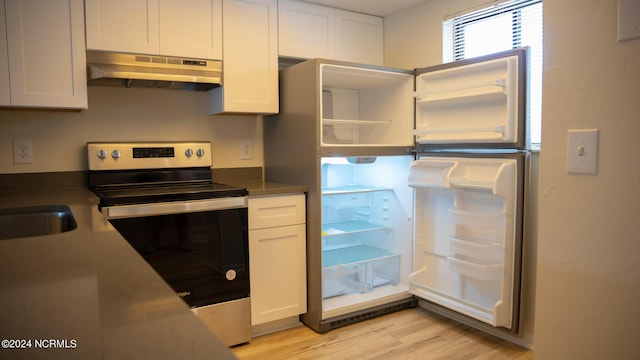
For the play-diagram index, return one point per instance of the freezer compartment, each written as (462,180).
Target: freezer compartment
(366,106)
(474,102)
(359,268)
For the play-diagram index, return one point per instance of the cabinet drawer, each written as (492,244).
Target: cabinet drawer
(266,212)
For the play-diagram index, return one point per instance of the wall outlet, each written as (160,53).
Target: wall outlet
(246,150)
(22,152)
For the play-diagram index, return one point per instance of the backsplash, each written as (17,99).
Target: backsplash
(121,114)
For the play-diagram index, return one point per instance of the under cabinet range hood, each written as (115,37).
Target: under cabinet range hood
(136,70)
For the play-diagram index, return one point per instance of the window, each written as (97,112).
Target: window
(506,25)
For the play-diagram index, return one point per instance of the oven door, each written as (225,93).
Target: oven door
(200,248)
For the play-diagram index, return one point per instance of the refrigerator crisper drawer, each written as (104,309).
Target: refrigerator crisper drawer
(358,269)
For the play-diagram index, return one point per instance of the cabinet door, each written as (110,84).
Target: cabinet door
(123,25)
(250,59)
(191,28)
(47,73)
(5,91)
(306,30)
(277,273)
(359,38)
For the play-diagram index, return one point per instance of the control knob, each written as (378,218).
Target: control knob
(102,154)
(200,152)
(116,154)
(189,153)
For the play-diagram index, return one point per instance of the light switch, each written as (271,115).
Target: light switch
(582,151)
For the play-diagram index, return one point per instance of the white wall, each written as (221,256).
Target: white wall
(588,252)
(588,299)
(121,114)
(413,38)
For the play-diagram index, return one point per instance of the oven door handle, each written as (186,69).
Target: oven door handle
(175,207)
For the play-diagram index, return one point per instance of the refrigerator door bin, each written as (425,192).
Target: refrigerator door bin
(488,272)
(435,173)
(477,249)
(495,313)
(478,219)
(481,92)
(490,175)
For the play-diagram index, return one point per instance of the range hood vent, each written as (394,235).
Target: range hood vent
(134,70)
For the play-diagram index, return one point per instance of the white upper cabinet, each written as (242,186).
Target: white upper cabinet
(312,31)
(191,28)
(306,30)
(123,25)
(45,53)
(359,38)
(250,66)
(186,28)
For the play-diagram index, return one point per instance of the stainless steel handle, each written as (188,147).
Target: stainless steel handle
(177,207)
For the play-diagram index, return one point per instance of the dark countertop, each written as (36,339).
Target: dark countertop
(251,178)
(88,290)
(265,188)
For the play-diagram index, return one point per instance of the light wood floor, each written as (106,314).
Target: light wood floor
(408,334)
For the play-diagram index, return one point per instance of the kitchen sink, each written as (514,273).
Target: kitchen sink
(35,221)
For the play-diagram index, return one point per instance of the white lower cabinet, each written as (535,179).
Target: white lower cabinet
(277,258)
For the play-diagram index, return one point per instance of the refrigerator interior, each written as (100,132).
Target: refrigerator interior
(466,241)
(367,210)
(365,106)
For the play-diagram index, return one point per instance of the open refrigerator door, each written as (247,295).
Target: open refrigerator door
(468,234)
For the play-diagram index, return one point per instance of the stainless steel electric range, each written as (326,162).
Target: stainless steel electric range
(194,232)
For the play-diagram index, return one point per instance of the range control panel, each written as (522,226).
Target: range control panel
(156,155)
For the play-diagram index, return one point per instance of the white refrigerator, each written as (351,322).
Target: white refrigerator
(417,184)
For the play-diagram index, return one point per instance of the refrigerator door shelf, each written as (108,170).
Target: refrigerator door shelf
(485,272)
(498,315)
(480,90)
(477,249)
(478,219)
(493,175)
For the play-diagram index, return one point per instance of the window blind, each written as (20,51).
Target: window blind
(498,27)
